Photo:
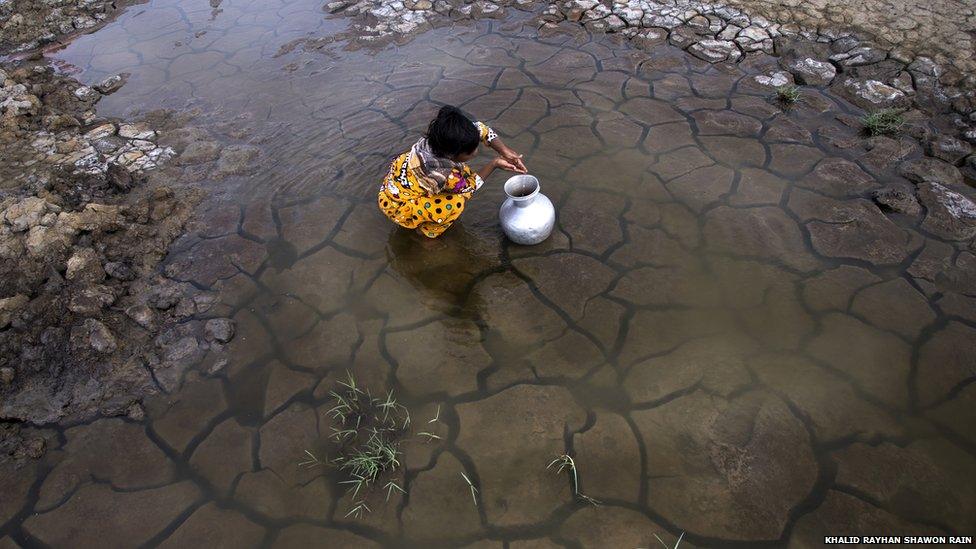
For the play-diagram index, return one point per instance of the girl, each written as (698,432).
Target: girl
(428,185)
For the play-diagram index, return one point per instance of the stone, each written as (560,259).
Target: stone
(7,375)
(110,84)
(517,430)
(885,153)
(215,527)
(188,414)
(142,315)
(137,131)
(85,93)
(949,148)
(931,169)
(945,362)
(876,362)
(873,94)
(716,462)
(514,314)
(9,307)
(568,280)
(811,72)
(99,337)
(80,521)
(25,214)
(219,329)
(715,51)
(897,200)
(948,214)
(91,300)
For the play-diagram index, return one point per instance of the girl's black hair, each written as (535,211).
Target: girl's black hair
(452,133)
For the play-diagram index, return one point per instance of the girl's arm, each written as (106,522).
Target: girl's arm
(502,163)
(514,158)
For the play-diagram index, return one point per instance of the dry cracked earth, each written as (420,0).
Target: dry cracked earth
(753,324)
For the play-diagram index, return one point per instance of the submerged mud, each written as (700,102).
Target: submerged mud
(753,323)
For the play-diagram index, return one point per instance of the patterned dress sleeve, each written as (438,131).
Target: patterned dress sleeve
(487,134)
(463,180)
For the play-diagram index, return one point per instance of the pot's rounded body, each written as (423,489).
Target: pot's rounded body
(527,215)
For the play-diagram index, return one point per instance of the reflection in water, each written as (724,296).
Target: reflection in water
(708,332)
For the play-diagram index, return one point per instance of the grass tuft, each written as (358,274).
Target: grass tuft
(788,94)
(883,122)
(474,491)
(566,462)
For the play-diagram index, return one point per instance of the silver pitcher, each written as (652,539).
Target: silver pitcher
(527,215)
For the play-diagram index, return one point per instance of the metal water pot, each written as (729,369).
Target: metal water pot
(527,215)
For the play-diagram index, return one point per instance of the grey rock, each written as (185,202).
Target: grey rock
(100,338)
(110,84)
(715,51)
(165,296)
(91,300)
(236,160)
(199,152)
(874,94)
(930,169)
(85,266)
(897,200)
(9,306)
(949,148)
(812,72)
(7,375)
(120,270)
(219,329)
(142,315)
(863,55)
(949,214)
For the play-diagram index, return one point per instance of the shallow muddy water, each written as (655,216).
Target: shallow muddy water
(725,334)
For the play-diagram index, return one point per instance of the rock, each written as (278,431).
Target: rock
(224,455)
(873,94)
(601,527)
(898,200)
(165,296)
(894,305)
(85,266)
(811,72)
(930,169)
(137,131)
(715,51)
(950,149)
(99,337)
(110,84)
(91,300)
(119,177)
(765,232)
(142,315)
(945,362)
(857,57)
(86,94)
(775,79)
(440,506)
(7,375)
(25,214)
(452,344)
(120,270)
(219,329)
(949,214)
(842,512)
(9,306)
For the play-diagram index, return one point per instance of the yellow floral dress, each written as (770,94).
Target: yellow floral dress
(426,192)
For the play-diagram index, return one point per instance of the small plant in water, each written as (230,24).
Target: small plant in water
(566,461)
(788,94)
(367,434)
(474,491)
(666,546)
(883,122)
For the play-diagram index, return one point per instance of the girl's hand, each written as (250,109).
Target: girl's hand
(506,164)
(515,159)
